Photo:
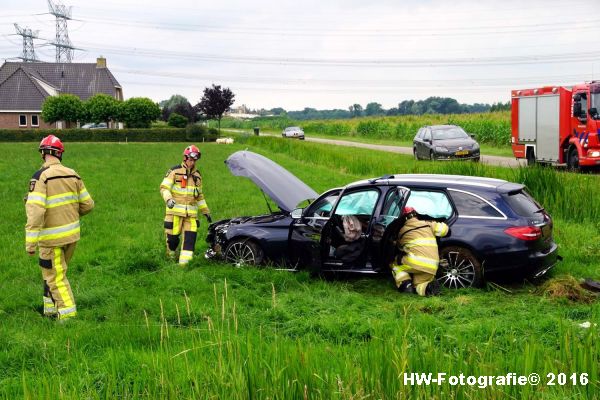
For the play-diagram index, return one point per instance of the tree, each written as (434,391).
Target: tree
(215,102)
(374,109)
(139,112)
(180,105)
(277,111)
(64,107)
(356,110)
(101,108)
(177,120)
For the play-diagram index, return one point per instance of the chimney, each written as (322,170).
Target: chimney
(101,62)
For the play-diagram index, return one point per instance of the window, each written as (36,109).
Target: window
(469,205)
(358,203)
(434,204)
(392,207)
(22,120)
(523,204)
(427,135)
(323,207)
(35,120)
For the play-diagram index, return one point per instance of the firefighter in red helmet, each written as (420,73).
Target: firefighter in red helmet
(415,268)
(181,190)
(57,198)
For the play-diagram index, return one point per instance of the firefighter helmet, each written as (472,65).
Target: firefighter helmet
(52,145)
(192,152)
(408,211)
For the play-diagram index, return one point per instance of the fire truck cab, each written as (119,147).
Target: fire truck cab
(557,125)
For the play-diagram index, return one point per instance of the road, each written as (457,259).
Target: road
(486,159)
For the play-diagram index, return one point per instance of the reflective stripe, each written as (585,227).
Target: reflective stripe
(36,198)
(60,279)
(185,256)
(202,204)
(67,312)
(183,191)
(83,196)
(441,229)
(32,236)
(429,242)
(424,262)
(59,231)
(62,199)
(176,230)
(190,209)
(167,184)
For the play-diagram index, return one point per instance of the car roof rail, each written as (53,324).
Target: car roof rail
(381,178)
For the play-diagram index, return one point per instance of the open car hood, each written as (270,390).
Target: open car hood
(284,188)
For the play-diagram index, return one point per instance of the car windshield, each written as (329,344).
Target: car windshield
(595,103)
(452,132)
(292,128)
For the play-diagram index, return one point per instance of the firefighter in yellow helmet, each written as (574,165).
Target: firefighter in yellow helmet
(181,190)
(57,198)
(418,261)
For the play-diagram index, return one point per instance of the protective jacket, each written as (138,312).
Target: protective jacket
(185,187)
(418,245)
(56,199)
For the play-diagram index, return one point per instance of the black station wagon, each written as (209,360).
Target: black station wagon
(495,225)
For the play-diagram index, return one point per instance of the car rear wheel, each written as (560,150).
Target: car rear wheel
(241,252)
(461,268)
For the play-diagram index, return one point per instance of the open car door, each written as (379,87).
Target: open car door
(351,240)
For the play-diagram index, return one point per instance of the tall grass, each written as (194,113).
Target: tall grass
(149,329)
(489,128)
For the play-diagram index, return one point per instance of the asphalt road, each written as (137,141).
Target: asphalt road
(486,159)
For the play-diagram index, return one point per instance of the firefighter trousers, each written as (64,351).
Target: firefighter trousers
(420,277)
(58,297)
(174,227)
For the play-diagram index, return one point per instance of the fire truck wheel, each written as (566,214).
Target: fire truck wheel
(530,158)
(573,161)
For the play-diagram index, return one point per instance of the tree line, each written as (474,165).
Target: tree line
(431,105)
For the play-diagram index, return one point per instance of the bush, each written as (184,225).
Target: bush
(96,135)
(177,120)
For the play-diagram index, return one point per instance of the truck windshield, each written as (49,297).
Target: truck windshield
(595,103)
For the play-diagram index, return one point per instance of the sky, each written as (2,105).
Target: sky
(323,54)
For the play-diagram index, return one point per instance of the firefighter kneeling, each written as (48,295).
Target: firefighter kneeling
(181,189)
(416,269)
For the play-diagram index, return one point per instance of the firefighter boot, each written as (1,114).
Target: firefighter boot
(406,287)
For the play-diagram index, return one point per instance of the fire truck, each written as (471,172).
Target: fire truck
(557,125)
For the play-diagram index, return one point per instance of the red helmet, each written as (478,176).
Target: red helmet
(52,145)
(192,152)
(408,210)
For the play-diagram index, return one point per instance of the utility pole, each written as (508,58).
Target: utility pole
(28,54)
(64,48)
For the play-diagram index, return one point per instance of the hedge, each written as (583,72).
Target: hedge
(191,133)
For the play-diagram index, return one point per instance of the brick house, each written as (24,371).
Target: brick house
(25,86)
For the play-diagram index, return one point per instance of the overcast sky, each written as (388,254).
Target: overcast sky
(324,54)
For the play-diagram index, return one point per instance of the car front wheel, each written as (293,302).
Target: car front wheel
(432,156)
(242,252)
(459,268)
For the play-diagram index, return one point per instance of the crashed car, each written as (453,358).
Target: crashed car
(495,225)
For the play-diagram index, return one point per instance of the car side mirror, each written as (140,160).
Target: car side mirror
(593,112)
(428,140)
(297,213)
(472,136)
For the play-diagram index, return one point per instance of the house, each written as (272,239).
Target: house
(25,86)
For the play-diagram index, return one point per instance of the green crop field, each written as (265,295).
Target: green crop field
(150,329)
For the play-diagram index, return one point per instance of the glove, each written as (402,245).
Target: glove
(208,218)
(170,203)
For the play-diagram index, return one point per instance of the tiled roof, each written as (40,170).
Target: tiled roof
(21,90)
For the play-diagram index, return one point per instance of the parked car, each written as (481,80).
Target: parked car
(91,125)
(445,142)
(293,132)
(495,225)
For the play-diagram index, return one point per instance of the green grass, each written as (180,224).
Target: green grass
(149,329)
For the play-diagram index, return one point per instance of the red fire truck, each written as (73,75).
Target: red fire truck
(557,125)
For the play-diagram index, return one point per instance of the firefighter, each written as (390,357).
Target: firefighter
(418,259)
(57,198)
(181,190)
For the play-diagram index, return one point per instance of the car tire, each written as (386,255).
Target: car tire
(432,156)
(415,154)
(476,159)
(463,269)
(573,161)
(243,252)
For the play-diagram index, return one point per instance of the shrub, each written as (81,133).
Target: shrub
(177,120)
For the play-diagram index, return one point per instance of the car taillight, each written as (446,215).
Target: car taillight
(525,232)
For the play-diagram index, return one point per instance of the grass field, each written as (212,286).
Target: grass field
(150,329)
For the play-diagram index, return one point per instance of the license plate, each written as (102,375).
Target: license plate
(461,152)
